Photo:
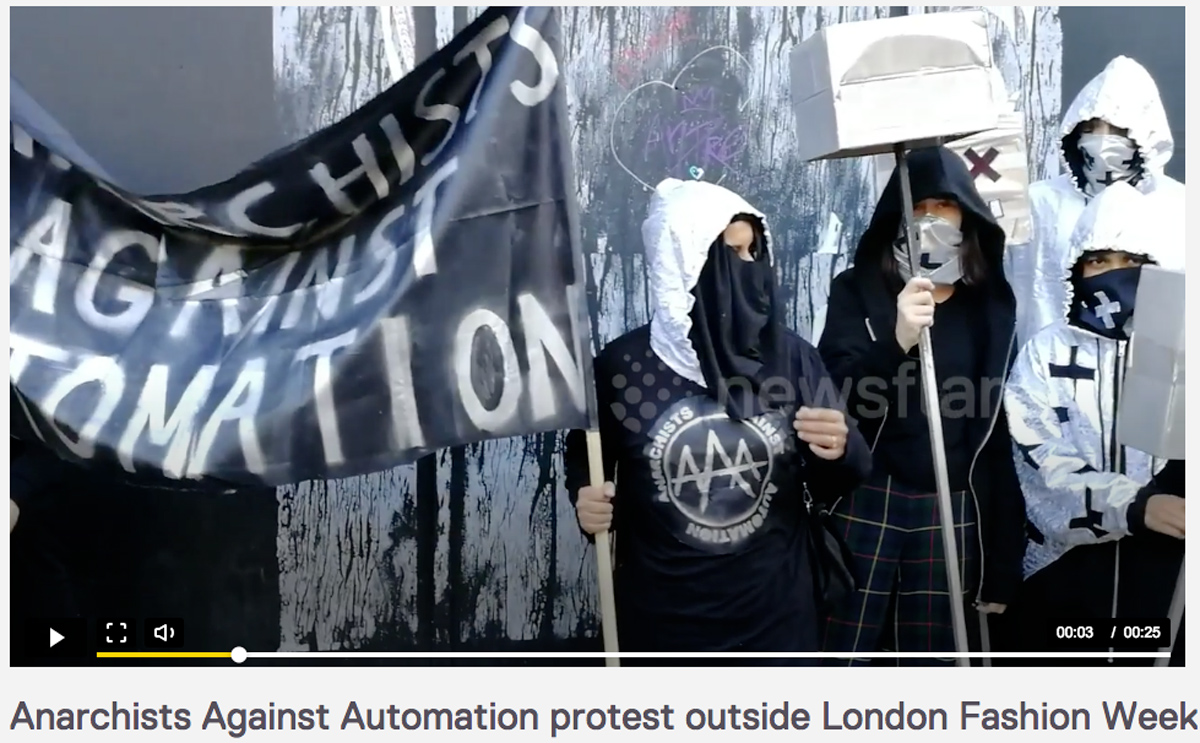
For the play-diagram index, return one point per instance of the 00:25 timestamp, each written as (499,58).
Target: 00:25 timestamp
(1146,633)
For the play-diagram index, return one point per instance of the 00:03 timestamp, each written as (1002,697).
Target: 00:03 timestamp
(1150,633)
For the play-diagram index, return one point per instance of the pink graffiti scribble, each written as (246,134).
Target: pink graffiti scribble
(628,63)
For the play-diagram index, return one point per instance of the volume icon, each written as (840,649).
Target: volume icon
(164,633)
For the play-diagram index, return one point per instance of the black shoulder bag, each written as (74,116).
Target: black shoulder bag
(832,564)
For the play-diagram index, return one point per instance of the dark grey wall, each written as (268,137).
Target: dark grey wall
(1153,36)
(174,98)
(167,99)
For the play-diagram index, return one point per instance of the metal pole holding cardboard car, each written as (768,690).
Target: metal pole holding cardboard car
(889,85)
(936,440)
(604,567)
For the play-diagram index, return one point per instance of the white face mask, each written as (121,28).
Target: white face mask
(1107,159)
(940,242)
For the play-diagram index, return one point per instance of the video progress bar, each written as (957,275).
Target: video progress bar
(165,654)
(240,655)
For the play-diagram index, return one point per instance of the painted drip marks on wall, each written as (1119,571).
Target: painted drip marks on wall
(489,556)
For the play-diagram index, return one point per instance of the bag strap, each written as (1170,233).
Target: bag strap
(809,500)
(805,492)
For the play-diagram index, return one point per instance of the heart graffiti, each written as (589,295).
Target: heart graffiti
(689,127)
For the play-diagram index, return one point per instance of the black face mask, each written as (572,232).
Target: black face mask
(735,327)
(1103,304)
(751,286)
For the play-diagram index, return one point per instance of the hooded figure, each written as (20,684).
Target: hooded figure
(870,346)
(715,422)
(1115,130)
(1093,552)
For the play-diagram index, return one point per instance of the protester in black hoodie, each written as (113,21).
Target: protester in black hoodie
(716,423)
(870,345)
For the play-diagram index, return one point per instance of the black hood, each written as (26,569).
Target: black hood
(934,172)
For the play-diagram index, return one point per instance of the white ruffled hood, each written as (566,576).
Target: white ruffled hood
(1124,95)
(684,219)
(1121,218)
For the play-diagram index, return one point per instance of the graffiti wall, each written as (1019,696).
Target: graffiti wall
(477,547)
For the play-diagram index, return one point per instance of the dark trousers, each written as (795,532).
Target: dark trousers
(903,602)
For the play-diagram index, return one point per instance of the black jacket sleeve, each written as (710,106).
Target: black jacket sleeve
(829,480)
(861,359)
(1004,531)
(1169,481)
(577,473)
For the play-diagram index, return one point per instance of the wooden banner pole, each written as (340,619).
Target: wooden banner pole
(604,557)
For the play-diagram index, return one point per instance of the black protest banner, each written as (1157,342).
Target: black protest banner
(406,280)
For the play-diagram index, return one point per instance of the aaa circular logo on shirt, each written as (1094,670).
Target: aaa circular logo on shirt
(715,471)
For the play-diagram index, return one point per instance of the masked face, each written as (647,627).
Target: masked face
(751,283)
(941,243)
(1104,303)
(1107,159)
(751,272)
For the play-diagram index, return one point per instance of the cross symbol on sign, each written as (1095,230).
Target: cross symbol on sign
(1105,309)
(982,164)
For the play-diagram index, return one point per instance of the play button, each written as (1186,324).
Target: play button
(56,637)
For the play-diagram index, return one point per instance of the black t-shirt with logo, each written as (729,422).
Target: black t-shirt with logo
(711,554)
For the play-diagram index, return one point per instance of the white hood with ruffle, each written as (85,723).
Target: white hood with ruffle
(1125,95)
(1121,219)
(684,219)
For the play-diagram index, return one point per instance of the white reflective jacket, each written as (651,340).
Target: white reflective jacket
(1125,96)
(1063,394)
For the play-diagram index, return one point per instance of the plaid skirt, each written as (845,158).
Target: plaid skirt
(903,601)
